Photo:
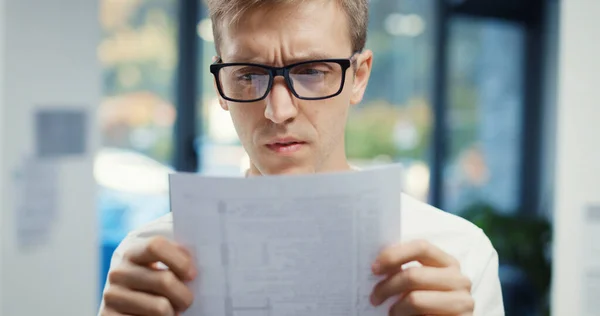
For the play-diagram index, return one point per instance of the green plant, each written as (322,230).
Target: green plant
(521,241)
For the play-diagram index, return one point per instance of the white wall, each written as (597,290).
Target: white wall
(577,182)
(48,61)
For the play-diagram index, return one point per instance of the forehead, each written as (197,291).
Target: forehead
(288,33)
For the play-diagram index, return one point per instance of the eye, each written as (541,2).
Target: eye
(311,71)
(249,74)
(246,77)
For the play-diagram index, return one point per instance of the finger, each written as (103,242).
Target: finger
(393,258)
(434,303)
(162,283)
(419,279)
(160,249)
(126,301)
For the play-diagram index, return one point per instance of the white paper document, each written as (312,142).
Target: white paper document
(287,245)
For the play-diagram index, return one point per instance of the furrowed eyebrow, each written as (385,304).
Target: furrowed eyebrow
(288,61)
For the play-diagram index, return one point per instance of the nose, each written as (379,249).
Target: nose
(280,103)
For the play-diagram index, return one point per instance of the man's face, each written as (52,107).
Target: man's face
(281,133)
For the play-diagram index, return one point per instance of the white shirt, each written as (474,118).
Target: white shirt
(454,235)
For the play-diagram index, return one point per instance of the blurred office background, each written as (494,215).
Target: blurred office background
(462,93)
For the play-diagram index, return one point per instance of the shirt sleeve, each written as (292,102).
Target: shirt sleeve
(486,289)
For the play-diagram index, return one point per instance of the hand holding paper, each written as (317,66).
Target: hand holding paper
(150,280)
(296,245)
(436,288)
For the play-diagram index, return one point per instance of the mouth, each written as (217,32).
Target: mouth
(286,146)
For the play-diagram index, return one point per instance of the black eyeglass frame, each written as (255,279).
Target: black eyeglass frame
(285,73)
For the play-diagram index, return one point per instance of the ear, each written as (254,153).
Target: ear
(364,62)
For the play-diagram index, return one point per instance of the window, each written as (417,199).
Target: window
(138,53)
(220,152)
(484,115)
(394,121)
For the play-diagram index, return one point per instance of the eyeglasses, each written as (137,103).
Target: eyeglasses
(307,80)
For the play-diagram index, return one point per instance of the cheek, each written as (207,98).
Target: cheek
(245,117)
(329,122)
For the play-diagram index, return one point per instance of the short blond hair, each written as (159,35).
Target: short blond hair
(232,11)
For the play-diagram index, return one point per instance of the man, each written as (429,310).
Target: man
(288,72)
